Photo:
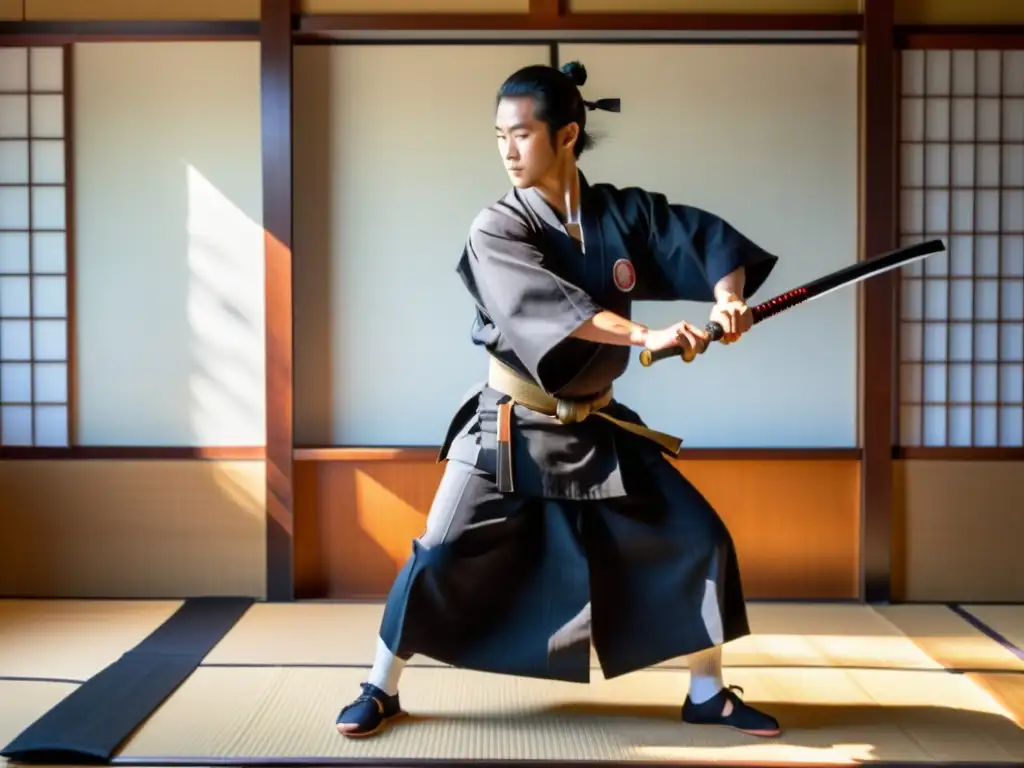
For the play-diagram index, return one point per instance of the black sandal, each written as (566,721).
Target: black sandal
(743,717)
(369,714)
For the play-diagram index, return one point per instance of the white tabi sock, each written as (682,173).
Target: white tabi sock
(705,674)
(387,669)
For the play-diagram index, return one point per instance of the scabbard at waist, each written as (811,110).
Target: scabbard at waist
(518,389)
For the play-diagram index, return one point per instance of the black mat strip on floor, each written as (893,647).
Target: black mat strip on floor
(92,722)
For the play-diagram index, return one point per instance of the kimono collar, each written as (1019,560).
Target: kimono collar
(548,214)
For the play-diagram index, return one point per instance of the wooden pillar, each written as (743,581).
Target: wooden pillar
(877,316)
(276,122)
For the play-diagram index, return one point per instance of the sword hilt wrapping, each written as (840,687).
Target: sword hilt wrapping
(649,357)
(715,331)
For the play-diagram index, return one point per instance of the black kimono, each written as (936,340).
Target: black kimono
(602,540)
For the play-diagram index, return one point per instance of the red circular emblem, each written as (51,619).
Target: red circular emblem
(624,275)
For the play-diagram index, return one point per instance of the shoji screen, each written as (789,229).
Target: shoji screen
(962,314)
(34,380)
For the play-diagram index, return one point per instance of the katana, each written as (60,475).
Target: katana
(815,289)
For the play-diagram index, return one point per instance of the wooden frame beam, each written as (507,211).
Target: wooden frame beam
(276,54)
(978,37)
(134,453)
(877,330)
(954,453)
(547,16)
(399,453)
(54,32)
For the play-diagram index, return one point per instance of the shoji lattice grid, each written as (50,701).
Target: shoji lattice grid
(962,312)
(33,249)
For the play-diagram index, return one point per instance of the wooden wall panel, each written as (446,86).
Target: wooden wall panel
(413,6)
(714,6)
(12,10)
(131,529)
(958,530)
(959,12)
(795,522)
(142,10)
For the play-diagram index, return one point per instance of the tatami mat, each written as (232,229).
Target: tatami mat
(1007,689)
(949,639)
(73,639)
(1007,620)
(830,715)
(850,683)
(34,634)
(783,635)
(826,635)
(303,633)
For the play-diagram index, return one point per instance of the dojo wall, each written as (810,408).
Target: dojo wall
(386,189)
(167,336)
(382,347)
(180,526)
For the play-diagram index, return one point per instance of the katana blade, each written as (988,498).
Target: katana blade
(815,289)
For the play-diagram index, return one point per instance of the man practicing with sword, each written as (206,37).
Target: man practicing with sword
(559,522)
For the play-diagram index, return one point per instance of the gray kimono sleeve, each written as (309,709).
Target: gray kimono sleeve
(688,250)
(533,310)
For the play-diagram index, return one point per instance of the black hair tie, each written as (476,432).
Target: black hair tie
(607,105)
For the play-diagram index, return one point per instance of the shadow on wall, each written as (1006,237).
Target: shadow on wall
(225,317)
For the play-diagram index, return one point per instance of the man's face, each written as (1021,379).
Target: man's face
(525,145)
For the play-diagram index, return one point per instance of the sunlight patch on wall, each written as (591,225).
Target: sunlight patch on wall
(225,313)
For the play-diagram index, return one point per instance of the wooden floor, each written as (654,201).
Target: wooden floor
(851,684)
